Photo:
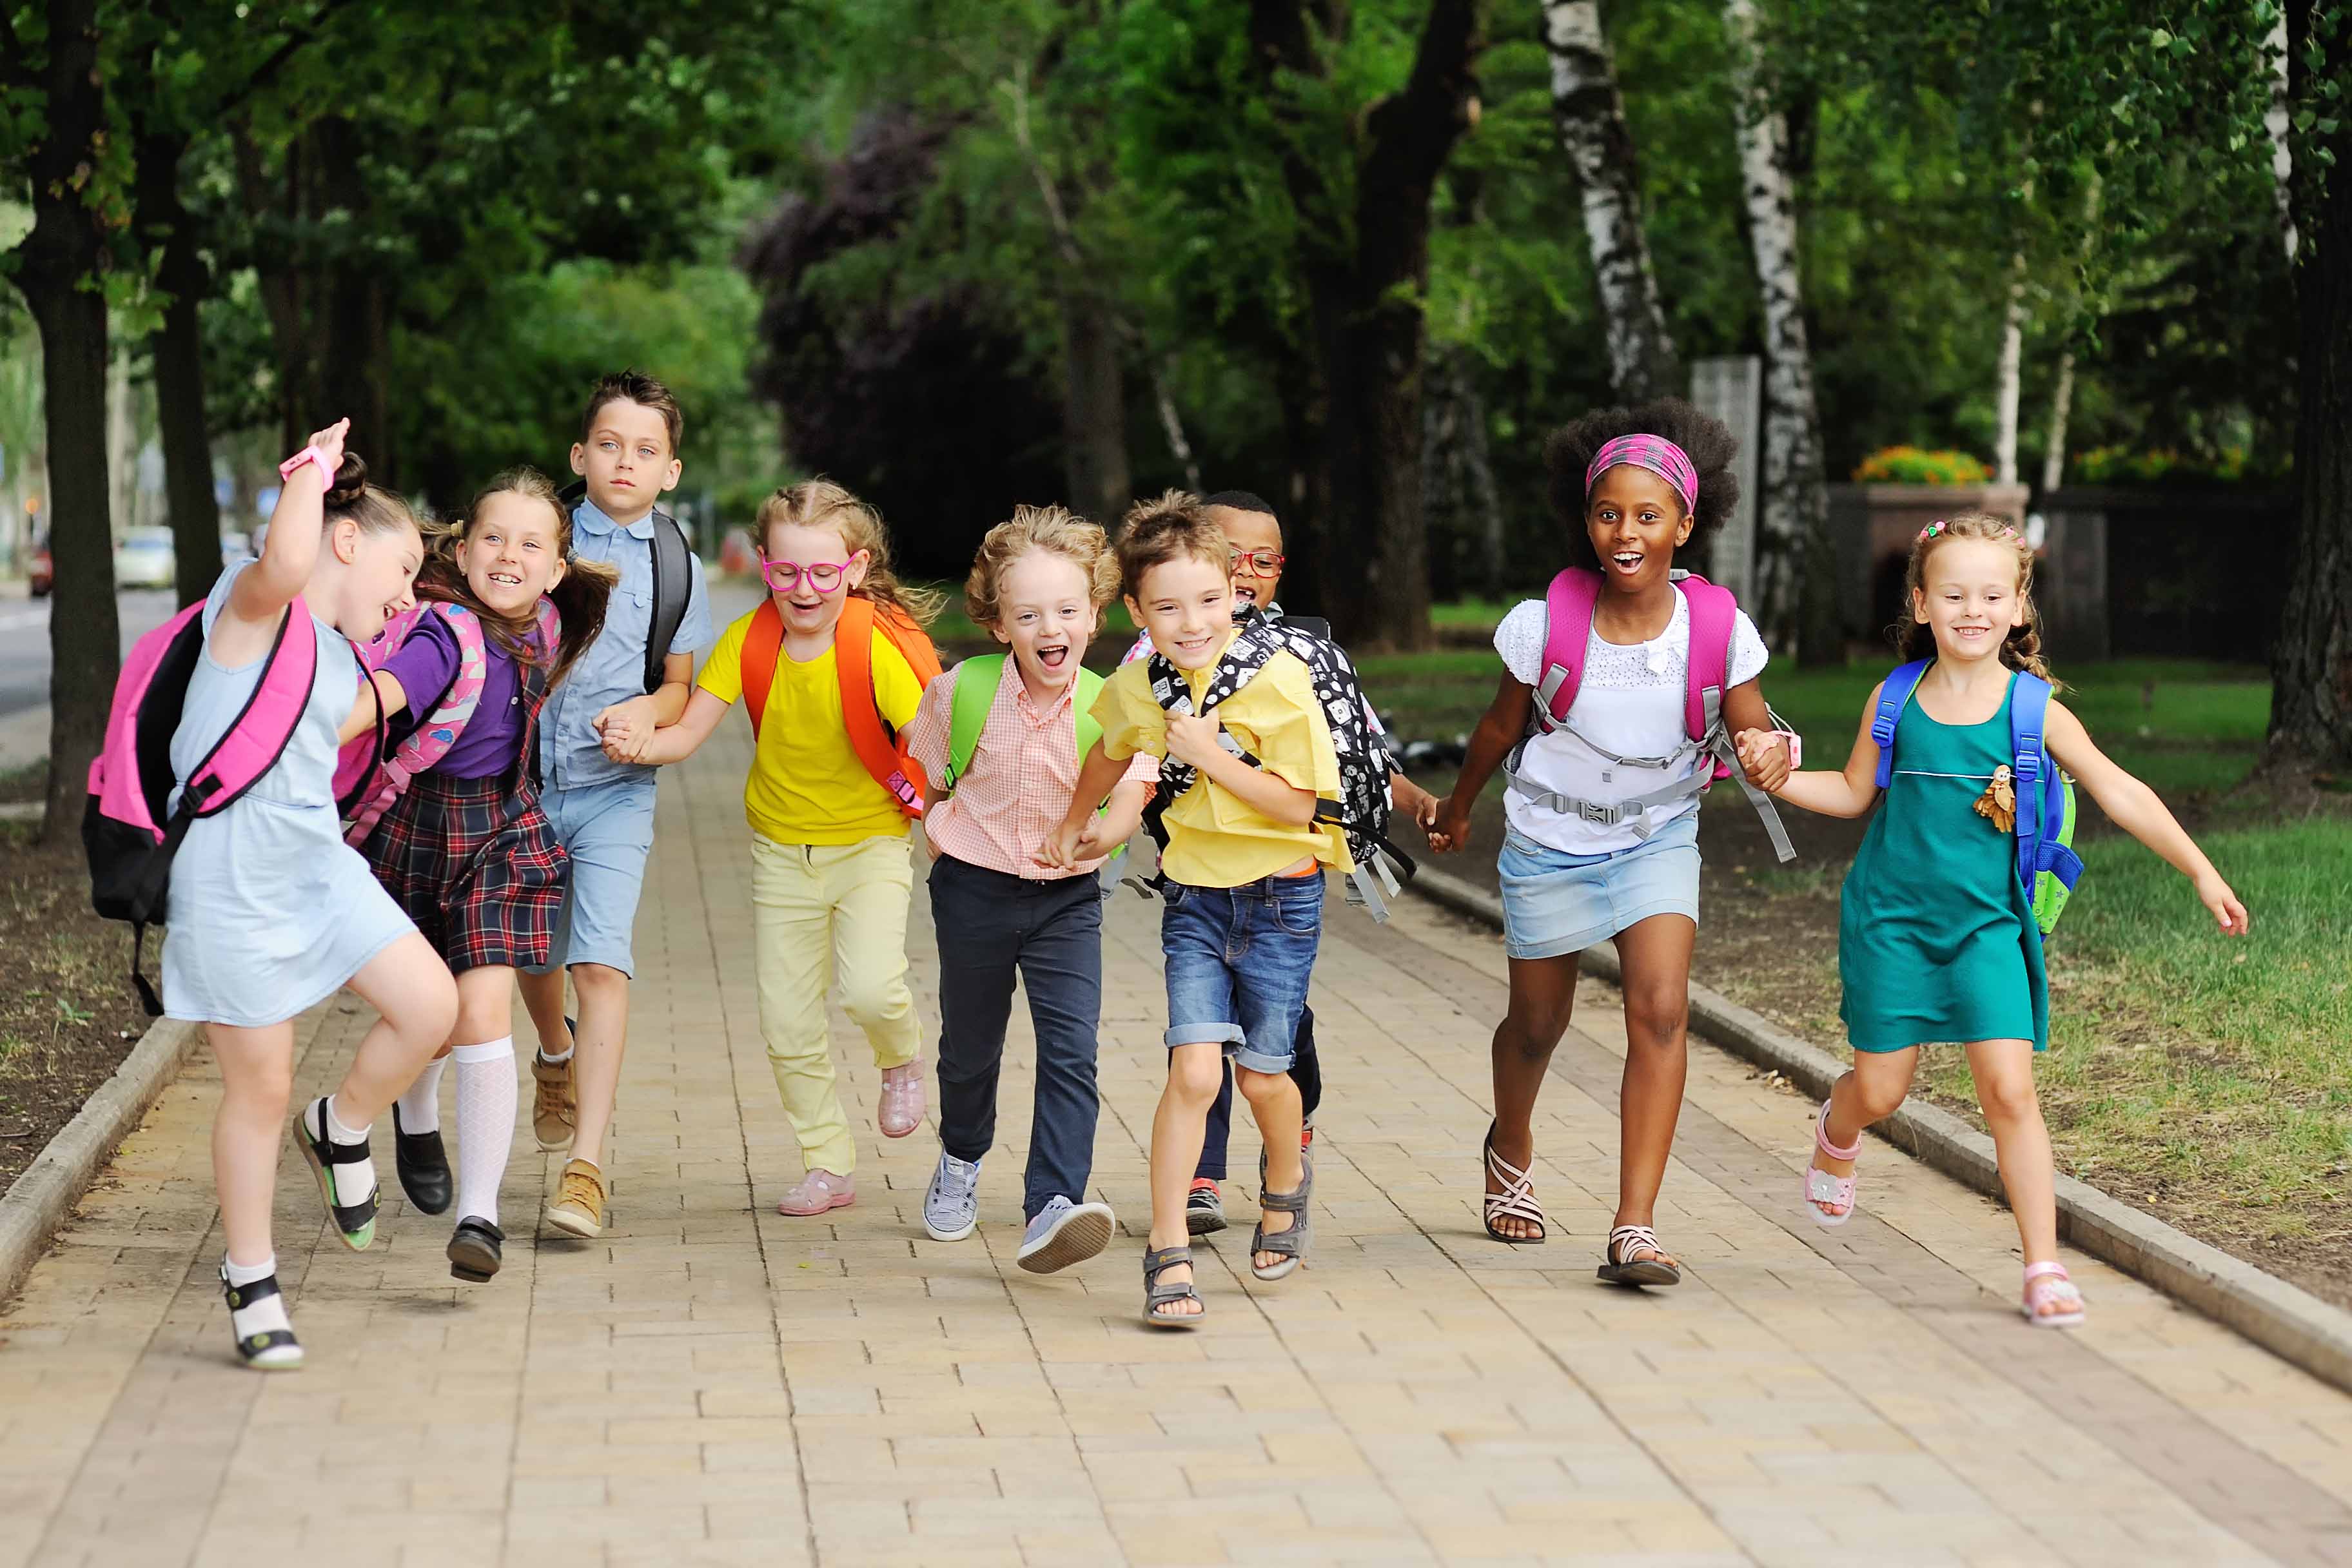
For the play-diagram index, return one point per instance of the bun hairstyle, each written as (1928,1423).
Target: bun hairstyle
(2022,648)
(821,503)
(376,510)
(581,595)
(1057,532)
(1705,440)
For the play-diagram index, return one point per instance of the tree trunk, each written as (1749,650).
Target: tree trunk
(64,251)
(2311,698)
(2277,123)
(1797,567)
(1458,475)
(2008,394)
(177,345)
(1171,423)
(2062,404)
(1590,113)
(1094,406)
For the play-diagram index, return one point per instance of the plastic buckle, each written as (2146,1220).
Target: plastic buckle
(1597,814)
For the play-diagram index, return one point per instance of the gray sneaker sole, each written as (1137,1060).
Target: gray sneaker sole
(936,1233)
(1083,1234)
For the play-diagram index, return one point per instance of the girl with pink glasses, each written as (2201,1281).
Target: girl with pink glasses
(830,668)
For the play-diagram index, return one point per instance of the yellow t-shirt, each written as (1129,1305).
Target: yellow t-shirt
(1215,839)
(806,785)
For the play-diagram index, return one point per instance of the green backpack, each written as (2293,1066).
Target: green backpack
(977,682)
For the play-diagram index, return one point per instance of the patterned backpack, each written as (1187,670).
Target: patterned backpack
(1363,809)
(374,772)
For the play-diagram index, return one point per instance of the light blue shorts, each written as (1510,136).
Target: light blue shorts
(608,830)
(1556,903)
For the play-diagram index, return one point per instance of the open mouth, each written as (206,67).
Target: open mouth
(1628,560)
(1053,658)
(1246,596)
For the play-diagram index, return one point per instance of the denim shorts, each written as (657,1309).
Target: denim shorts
(1238,962)
(608,830)
(1556,903)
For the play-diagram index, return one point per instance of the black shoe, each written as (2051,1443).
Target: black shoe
(424,1166)
(474,1251)
(1205,1208)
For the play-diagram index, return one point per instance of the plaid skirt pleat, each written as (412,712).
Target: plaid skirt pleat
(477,869)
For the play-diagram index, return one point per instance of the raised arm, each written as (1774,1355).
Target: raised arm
(289,554)
(2138,811)
(1851,793)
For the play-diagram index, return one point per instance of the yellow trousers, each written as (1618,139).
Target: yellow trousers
(819,911)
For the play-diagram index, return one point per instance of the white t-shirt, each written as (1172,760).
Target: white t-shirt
(1630,702)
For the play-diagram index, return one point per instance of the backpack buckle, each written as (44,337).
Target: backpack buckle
(1599,815)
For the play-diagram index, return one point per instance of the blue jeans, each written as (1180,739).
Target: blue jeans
(1238,961)
(991,926)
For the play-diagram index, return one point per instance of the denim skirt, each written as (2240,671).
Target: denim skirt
(1556,903)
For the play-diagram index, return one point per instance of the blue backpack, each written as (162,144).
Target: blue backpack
(2047,866)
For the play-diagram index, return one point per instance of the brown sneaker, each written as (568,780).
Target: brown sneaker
(551,1109)
(579,1206)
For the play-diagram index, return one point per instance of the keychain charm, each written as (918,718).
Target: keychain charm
(1999,801)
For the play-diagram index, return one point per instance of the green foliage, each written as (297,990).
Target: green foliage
(1910,466)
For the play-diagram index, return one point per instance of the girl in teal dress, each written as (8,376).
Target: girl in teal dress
(1936,939)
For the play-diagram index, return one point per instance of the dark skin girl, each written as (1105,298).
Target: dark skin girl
(1635,522)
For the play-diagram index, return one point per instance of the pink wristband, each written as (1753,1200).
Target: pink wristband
(1796,747)
(291,466)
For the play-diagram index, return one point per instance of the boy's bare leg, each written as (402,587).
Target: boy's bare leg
(1194,1072)
(597,1045)
(1274,1099)
(542,998)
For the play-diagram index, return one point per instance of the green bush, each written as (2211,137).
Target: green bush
(1912,465)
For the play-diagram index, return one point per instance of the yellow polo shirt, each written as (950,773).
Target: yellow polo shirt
(806,785)
(1215,839)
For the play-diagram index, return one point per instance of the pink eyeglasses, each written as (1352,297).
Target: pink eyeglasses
(825,577)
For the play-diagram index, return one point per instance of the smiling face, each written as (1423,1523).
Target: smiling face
(379,577)
(1968,595)
(807,611)
(1186,605)
(513,552)
(1251,534)
(627,460)
(1634,520)
(1045,616)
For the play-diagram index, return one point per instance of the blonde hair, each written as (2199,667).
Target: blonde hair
(2022,648)
(821,503)
(1172,527)
(1052,528)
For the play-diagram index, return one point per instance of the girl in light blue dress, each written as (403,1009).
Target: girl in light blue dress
(270,912)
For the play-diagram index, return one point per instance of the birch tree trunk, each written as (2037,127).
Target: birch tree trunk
(2008,394)
(2276,122)
(2062,401)
(1590,114)
(1796,572)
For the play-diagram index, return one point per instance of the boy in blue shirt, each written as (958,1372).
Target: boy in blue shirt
(599,797)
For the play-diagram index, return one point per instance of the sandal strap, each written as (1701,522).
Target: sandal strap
(1518,1198)
(1624,1238)
(243,1295)
(252,1345)
(2037,1270)
(1157,1262)
(1821,1137)
(1285,1203)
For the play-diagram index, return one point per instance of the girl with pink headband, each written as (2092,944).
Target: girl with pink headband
(1597,726)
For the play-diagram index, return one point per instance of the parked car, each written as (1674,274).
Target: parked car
(143,559)
(42,575)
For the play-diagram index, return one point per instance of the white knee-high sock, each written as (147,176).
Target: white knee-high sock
(487,1095)
(420,1108)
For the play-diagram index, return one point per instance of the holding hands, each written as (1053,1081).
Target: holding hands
(1765,755)
(625,727)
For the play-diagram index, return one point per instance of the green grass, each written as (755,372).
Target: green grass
(2208,1070)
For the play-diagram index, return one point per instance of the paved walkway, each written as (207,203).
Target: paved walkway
(715,1383)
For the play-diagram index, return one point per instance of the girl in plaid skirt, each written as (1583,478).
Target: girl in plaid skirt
(466,850)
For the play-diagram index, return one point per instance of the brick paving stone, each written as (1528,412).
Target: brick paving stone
(713,1383)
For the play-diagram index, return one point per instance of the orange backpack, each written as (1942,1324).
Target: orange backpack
(878,745)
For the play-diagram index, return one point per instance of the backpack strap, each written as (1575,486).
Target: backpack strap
(1567,626)
(1894,695)
(261,732)
(1082,703)
(977,682)
(870,736)
(1712,612)
(673,587)
(761,644)
(2029,714)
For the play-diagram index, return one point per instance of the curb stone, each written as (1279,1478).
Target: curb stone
(32,1211)
(2283,1319)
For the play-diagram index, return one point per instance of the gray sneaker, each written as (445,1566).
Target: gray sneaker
(1065,1233)
(951,1207)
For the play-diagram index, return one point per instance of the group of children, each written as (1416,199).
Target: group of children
(522,672)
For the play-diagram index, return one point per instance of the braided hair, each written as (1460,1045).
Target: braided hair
(2022,648)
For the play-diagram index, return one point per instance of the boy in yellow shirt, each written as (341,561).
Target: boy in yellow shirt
(1248,756)
(830,869)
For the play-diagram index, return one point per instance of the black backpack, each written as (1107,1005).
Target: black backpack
(673,585)
(1361,812)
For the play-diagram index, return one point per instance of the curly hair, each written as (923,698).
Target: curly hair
(2022,648)
(821,503)
(1704,439)
(1171,526)
(580,596)
(1052,528)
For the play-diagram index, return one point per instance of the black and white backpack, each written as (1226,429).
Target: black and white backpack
(1361,812)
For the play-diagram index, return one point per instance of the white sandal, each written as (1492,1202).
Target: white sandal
(1822,1186)
(1515,1201)
(2048,1282)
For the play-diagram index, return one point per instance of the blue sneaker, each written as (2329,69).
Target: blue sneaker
(952,1207)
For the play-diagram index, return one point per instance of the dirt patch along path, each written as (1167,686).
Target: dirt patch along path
(68,1015)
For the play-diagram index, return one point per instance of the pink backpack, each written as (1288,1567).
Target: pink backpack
(1568,628)
(126,831)
(369,786)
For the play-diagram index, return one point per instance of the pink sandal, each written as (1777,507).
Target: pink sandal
(901,1110)
(2048,1282)
(1821,1186)
(819,1191)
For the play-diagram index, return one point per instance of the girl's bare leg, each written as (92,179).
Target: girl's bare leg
(1655,959)
(1543,994)
(409,988)
(256,1085)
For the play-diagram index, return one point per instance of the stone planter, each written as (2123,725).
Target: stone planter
(1873,527)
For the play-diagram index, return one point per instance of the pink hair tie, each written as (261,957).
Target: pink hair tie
(1655,453)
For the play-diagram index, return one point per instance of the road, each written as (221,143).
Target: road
(25,641)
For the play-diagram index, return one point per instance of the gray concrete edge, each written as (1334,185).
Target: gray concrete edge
(34,1209)
(2283,1319)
